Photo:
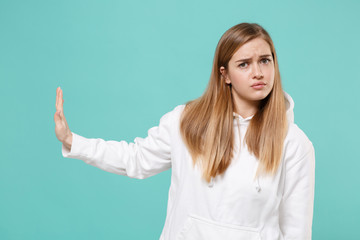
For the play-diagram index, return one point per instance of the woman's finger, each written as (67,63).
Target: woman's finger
(57,119)
(61,103)
(62,99)
(58,99)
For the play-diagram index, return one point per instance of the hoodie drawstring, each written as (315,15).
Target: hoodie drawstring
(211,183)
(257,182)
(257,185)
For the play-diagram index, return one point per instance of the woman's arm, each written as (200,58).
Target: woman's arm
(296,208)
(143,158)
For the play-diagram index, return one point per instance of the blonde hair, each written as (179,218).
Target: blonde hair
(206,124)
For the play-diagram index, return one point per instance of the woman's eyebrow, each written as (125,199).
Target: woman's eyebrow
(266,55)
(243,60)
(247,59)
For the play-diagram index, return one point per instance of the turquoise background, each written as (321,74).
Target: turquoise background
(122,65)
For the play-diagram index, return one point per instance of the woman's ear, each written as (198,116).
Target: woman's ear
(224,75)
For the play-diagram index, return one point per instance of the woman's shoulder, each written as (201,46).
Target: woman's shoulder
(176,111)
(173,115)
(297,141)
(179,108)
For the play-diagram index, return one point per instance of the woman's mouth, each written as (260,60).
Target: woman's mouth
(258,85)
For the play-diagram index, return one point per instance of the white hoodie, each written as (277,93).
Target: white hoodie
(232,206)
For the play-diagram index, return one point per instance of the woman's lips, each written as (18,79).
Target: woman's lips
(258,85)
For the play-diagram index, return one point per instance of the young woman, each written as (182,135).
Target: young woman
(241,167)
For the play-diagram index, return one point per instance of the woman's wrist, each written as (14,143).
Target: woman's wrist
(68,141)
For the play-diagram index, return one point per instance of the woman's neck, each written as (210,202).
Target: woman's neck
(246,108)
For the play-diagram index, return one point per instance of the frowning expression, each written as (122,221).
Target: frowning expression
(251,72)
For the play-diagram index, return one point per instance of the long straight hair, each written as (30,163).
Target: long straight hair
(207,123)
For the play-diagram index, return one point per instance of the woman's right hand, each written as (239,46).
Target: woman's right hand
(62,130)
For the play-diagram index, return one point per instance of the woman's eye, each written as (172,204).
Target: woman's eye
(265,60)
(243,65)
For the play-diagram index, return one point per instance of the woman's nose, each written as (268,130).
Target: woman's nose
(257,73)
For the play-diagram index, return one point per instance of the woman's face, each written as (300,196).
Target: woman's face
(251,73)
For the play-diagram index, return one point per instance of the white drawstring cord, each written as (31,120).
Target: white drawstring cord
(211,183)
(257,182)
(257,187)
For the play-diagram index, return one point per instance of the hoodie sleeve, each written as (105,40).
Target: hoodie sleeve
(143,158)
(296,208)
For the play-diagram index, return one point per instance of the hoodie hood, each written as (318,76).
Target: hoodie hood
(289,102)
(238,120)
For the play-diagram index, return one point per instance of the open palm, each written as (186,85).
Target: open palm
(62,129)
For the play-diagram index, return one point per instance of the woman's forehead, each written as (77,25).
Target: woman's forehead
(254,48)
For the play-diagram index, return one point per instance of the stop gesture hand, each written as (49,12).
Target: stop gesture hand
(62,130)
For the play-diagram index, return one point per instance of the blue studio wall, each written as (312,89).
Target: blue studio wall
(122,65)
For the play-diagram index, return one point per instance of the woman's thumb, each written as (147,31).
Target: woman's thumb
(57,116)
